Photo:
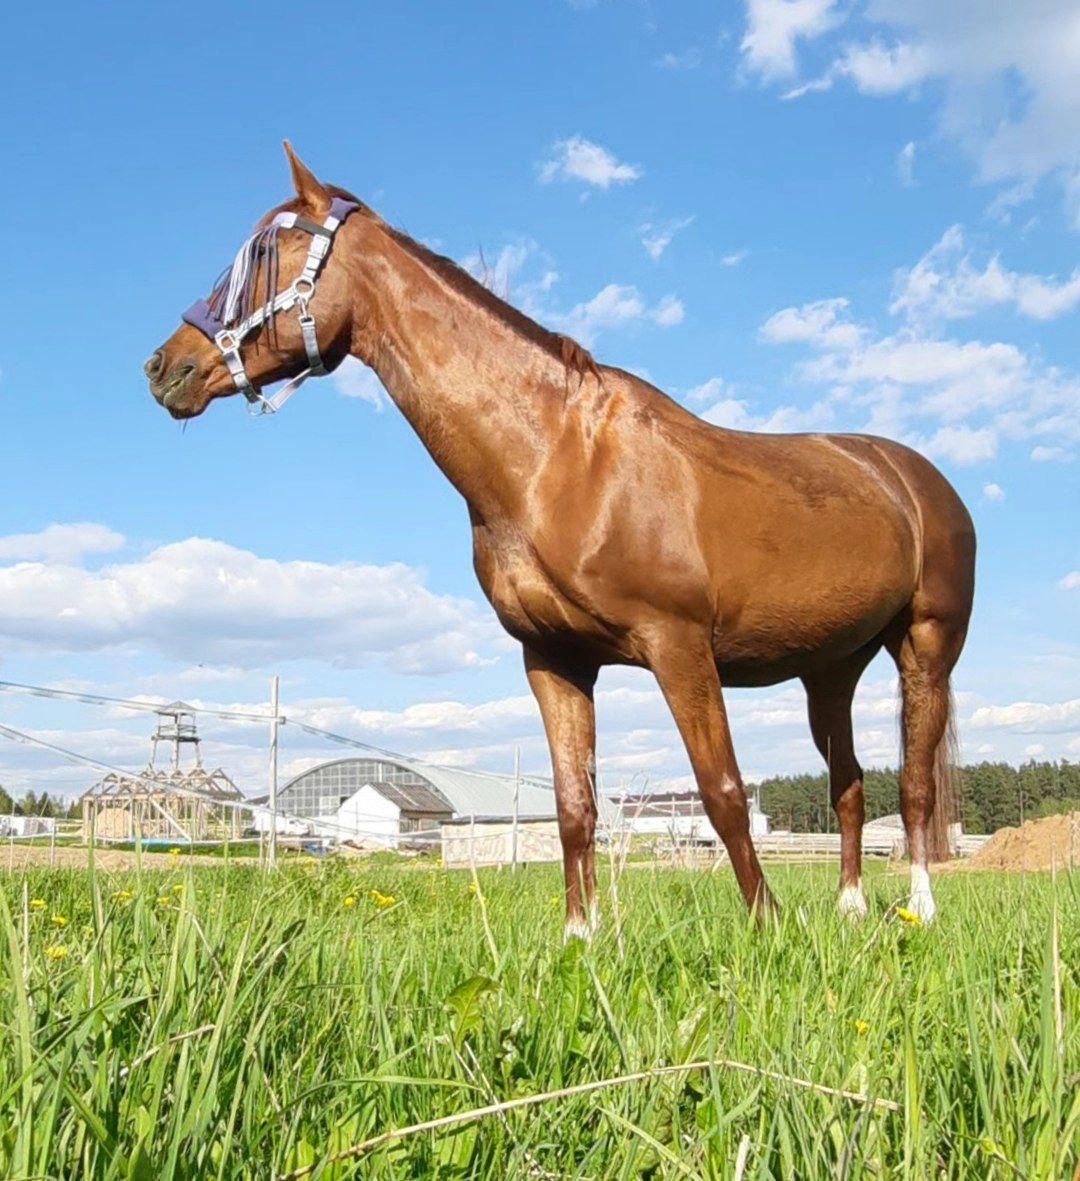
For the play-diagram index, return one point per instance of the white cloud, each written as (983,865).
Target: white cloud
(669,312)
(734,258)
(1029,717)
(656,239)
(355,380)
(905,164)
(734,414)
(944,284)
(1051,454)
(1071,581)
(993,493)
(953,400)
(60,543)
(615,306)
(500,276)
(821,323)
(962,445)
(1009,87)
(577,158)
(774,26)
(206,601)
(690,59)
(707,393)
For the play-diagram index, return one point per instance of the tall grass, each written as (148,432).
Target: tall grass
(214,1022)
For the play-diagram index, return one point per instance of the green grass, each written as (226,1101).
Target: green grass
(254,1025)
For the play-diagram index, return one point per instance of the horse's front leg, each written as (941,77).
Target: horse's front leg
(686,672)
(564,691)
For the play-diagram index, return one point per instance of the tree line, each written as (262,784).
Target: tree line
(991,796)
(39,805)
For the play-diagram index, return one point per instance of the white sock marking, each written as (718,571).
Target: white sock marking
(921,901)
(577,930)
(852,901)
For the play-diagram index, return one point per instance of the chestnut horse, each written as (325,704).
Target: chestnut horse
(612,526)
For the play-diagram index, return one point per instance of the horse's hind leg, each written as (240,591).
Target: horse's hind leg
(828,696)
(925,655)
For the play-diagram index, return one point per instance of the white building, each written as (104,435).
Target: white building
(26,826)
(679,816)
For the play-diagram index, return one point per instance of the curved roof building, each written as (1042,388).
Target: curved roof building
(423,794)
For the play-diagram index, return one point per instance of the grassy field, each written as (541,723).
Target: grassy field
(212,1022)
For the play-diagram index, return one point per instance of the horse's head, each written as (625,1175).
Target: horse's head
(265,321)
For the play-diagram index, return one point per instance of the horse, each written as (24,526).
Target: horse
(611,526)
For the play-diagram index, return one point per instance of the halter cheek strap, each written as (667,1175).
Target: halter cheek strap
(229,337)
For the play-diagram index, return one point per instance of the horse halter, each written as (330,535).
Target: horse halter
(219,317)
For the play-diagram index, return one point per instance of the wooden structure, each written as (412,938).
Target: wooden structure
(182,802)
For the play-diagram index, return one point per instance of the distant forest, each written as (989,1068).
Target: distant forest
(42,805)
(992,795)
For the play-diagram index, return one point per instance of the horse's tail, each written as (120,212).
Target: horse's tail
(946,776)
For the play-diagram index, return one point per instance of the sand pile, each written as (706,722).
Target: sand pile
(1039,844)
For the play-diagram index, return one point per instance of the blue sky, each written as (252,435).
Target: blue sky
(791,214)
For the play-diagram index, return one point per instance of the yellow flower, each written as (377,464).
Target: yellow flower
(349,902)
(164,900)
(382,900)
(57,952)
(123,897)
(59,921)
(178,888)
(862,1028)
(438,862)
(37,903)
(174,851)
(555,900)
(908,916)
(474,887)
(88,931)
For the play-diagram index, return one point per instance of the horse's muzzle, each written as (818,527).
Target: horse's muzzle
(169,384)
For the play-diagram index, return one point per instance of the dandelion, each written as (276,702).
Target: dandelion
(59,922)
(37,903)
(178,888)
(474,887)
(555,900)
(164,900)
(382,901)
(56,952)
(350,902)
(174,851)
(908,916)
(123,897)
(862,1028)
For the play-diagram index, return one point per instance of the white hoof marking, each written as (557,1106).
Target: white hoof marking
(852,902)
(577,930)
(921,902)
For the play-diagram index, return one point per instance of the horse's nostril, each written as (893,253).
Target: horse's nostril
(153,367)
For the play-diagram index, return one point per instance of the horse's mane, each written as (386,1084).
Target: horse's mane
(576,360)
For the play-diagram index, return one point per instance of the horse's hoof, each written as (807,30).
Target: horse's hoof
(852,903)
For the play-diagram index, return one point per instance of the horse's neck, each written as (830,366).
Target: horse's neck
(484,399)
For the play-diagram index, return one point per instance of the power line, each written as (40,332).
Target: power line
(244,716)
(128,703)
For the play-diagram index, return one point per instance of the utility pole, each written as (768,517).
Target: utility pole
(517,796)
(275,685)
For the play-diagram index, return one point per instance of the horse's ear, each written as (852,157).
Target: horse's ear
(308,188)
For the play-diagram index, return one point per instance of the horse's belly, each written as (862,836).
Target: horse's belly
(763,642)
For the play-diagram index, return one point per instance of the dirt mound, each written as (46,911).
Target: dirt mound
(1039,844)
